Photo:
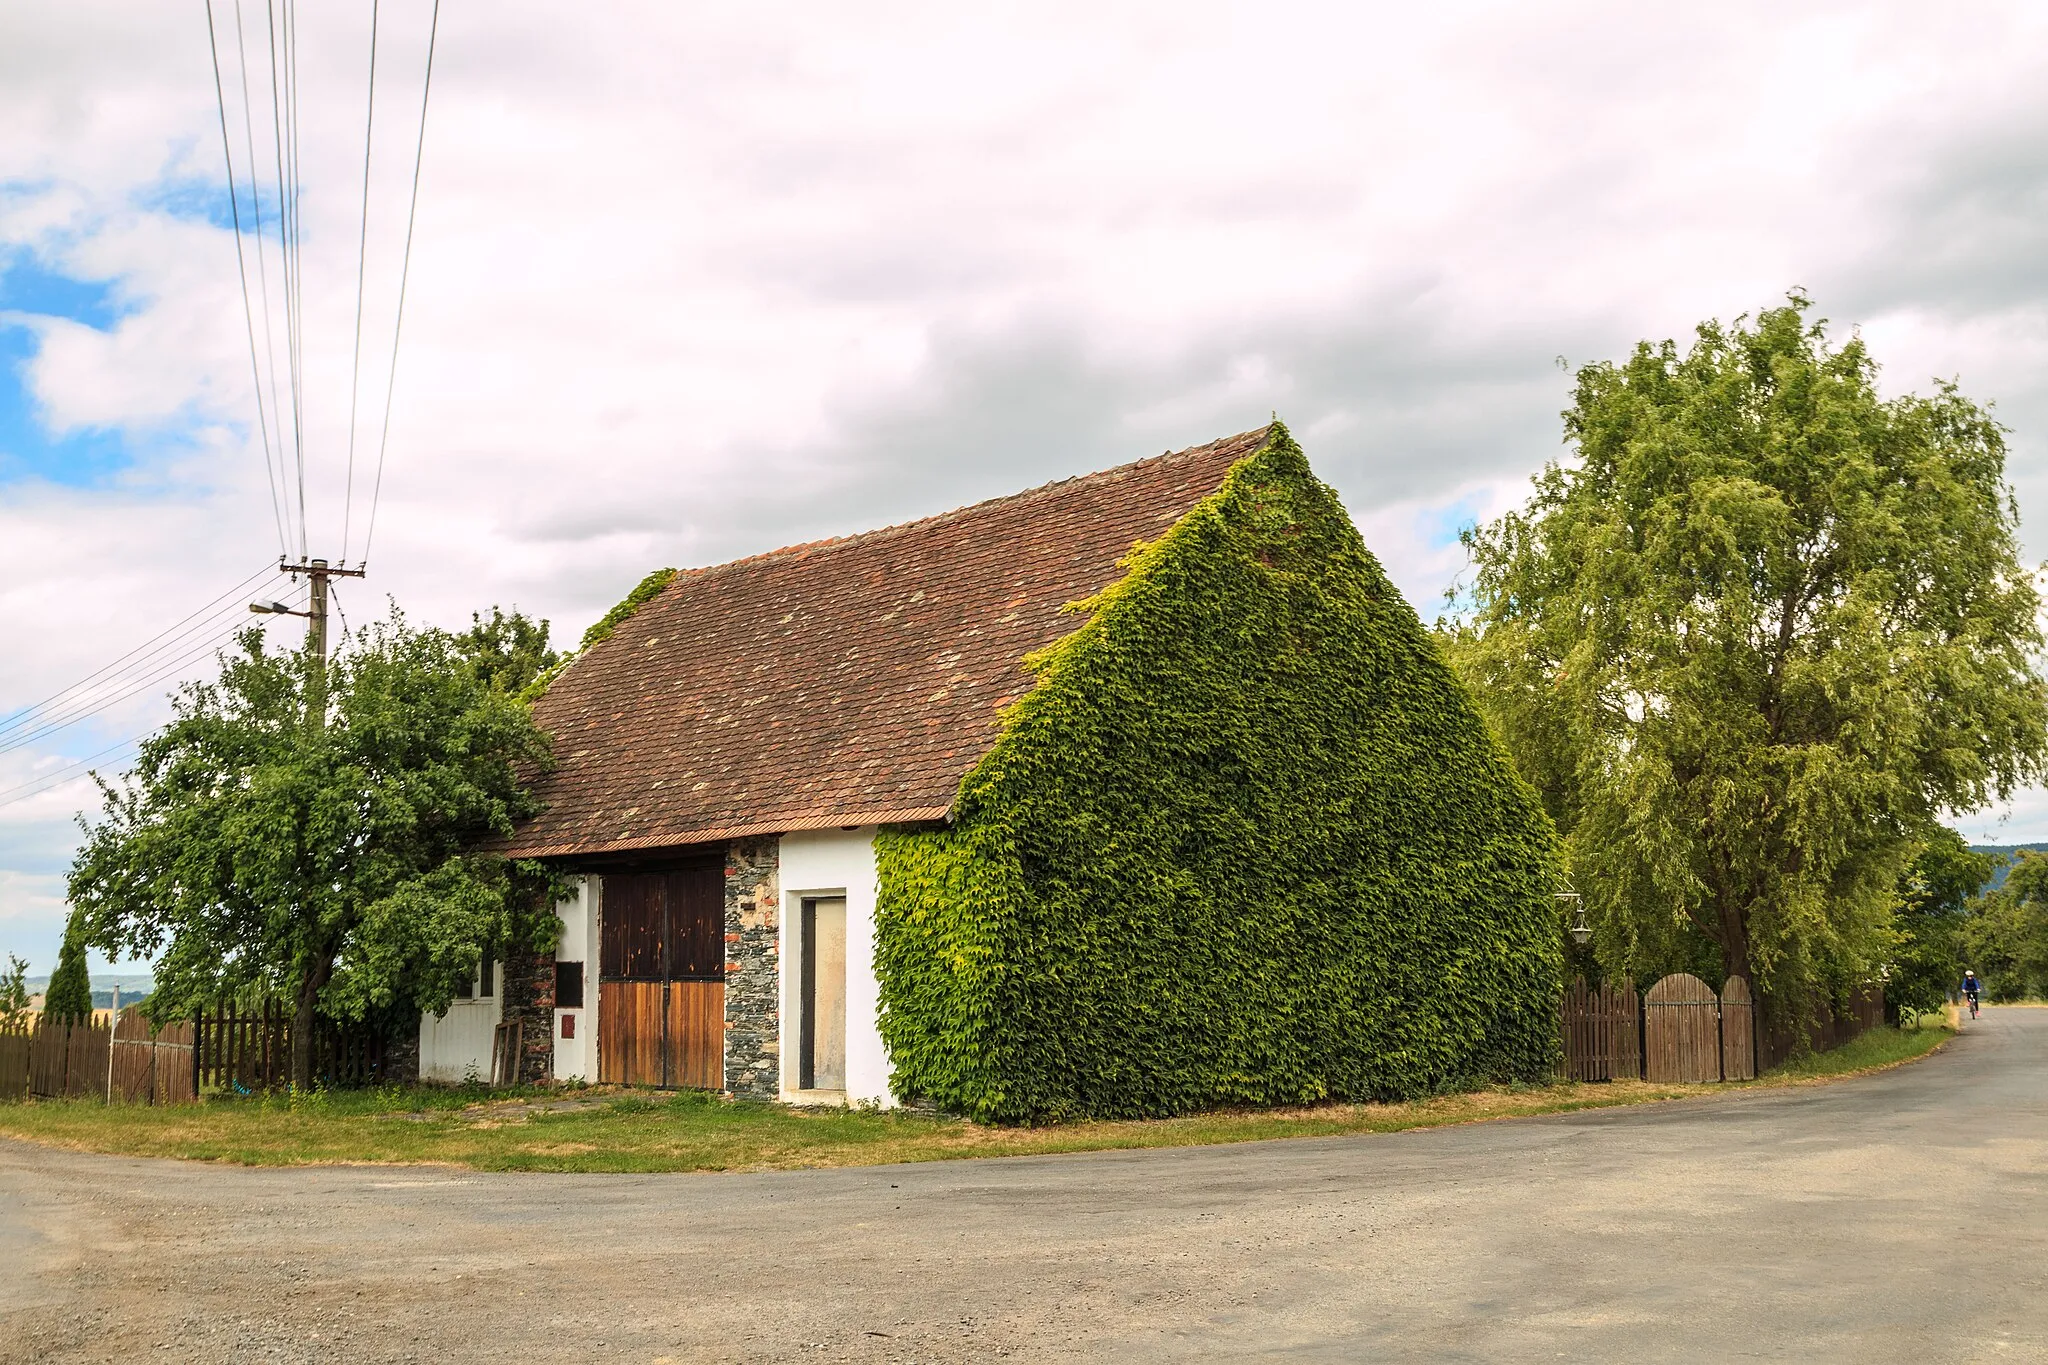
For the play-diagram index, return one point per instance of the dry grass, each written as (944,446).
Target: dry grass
(609,1130)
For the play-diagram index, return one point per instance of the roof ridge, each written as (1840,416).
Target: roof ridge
(1023,495)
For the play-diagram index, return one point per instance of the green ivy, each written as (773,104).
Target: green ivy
(650,588)
(1245,841)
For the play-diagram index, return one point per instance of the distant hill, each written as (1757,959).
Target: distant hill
(2003,853)
(133,986)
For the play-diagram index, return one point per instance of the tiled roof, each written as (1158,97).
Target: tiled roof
(843,682)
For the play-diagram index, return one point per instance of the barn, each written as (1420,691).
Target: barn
(1133,793)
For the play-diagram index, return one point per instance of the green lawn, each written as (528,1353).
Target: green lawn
(1880,1047)
(605,1130)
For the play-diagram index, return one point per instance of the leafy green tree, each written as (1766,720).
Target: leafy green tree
(335,862)
(507,652)
(1752,641)
(68,998)
(2005,938)
(13,992)
(1935,903)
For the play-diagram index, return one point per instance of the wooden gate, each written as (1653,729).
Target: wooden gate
(151,1066)
(1738,1032)
(1601,1041)
(1682,1031)
(661,977)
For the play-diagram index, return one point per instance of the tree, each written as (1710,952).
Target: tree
(13,992)
(337,860)
(1753,641)
(507,653)
(68,997)
(2005,937)
(1935,902)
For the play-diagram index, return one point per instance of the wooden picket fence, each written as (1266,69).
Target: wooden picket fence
(245,1049)
(151,1065)
(241,1050)
(1601,1041)
(126,1061)
(16,1040)
(1682,1031)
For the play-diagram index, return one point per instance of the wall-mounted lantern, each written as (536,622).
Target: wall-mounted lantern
(1581,932)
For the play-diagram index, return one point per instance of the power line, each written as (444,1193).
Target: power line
(58,777)
(292,124)
(158,671)
(335,589)
(405,269)
(242,273)
(348,488)
(15,720)
(262,251)
(284,128)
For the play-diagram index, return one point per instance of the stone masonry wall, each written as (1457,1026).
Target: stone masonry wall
(753,968)
(528,983)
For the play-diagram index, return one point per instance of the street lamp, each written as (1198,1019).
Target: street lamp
(275,609)
(1581,932)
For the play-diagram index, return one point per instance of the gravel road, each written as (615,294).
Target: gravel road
(1899,1217)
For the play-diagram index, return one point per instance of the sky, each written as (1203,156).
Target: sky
(690,282)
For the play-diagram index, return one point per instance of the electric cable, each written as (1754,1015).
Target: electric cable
(14,720)
(262,250)
(404,270)
(242,273)
(58,777)
(348,487)
(278,81)
(158,672)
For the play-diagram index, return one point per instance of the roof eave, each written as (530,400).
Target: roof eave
(786,824)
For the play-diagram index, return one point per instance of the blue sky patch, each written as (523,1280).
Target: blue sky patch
(198,200)
(27,286)
(28,448)
(1445,524)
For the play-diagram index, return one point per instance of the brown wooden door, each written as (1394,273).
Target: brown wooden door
(1682,1031)
(661,977)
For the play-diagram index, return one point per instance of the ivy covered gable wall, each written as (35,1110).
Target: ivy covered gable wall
(1245,841)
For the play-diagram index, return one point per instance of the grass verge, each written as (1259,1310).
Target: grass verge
(1871,1051)
(612,1131)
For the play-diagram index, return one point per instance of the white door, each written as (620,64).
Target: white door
(823,1060)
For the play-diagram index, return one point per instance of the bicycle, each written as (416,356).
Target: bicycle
(1972,997)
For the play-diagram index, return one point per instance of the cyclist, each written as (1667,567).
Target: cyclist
(1972,987)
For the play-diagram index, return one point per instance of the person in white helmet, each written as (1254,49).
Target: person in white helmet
(1972,988)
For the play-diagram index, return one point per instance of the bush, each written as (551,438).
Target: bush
(1245,841)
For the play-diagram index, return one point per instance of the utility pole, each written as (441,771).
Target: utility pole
(317,572)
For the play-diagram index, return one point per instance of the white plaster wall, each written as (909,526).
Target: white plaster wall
(577,1057)
(834,863)
(454,1044)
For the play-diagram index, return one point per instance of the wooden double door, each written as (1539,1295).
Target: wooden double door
(661,977)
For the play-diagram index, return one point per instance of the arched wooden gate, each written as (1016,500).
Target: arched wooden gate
(1682,1031)
(1738,1032)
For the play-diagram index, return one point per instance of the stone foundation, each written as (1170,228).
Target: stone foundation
(528,984)
(401,1055)
(753,969)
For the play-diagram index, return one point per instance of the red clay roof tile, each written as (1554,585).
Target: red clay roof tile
(842,682)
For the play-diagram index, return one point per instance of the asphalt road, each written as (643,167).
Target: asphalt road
(1899,1217)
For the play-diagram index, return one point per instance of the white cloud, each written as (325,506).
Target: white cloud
(690,283)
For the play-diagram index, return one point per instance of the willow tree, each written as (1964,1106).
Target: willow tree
(322,833)
(1752,641)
